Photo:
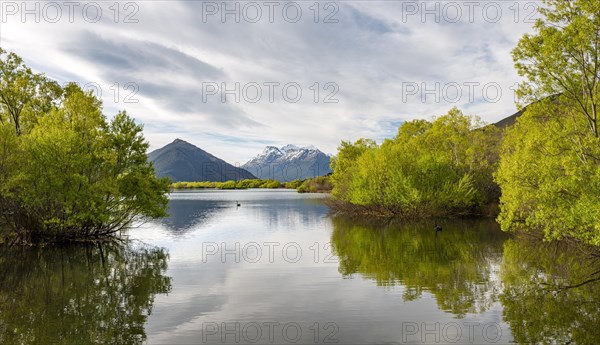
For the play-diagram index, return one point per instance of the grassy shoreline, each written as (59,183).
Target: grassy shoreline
(320,184)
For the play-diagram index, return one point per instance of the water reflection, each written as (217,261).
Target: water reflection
(187,214)
(458,265)
(190,210)
(79,294)
(406,275)
(551,293)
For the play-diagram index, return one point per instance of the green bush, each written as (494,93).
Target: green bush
(293,184)
(320,184)
(227,185)
(66,172)
(434,168)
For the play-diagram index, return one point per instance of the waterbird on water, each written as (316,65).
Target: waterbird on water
(237,203)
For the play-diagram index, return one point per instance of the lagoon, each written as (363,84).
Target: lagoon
(279,268)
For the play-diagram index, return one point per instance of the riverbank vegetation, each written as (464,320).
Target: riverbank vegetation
(67,173)
(439,168)
(549,169)
(540,175)
(241,184)
(318,184)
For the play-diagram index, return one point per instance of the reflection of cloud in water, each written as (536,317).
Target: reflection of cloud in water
(289,214)
(189,210)
(311,290)
(185,214)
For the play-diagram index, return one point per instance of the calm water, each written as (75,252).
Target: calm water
(279,269)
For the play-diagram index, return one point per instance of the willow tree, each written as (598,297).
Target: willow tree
(563,57)
(23,93)
(344,164)
(434,168)
(72,174)
(550,161)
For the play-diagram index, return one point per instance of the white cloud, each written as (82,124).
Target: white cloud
(371,54)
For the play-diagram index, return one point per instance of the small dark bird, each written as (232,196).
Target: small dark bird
(437,227)
(238,204)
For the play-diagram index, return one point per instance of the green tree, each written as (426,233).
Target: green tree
(293,184)
(74,175)
(563,57)
(550,162)
(344,163)
(434,168)
(23,94)
(319,184)
(550,181)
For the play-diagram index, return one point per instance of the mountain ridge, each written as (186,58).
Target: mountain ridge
(182,161)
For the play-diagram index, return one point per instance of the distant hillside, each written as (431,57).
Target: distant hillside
(509,121)
(182,161)
(289,163)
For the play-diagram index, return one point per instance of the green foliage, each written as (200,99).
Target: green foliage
(319,184)
(272,184)
(185,185)
(293,184)
(550,162)
(241,184)
(549,173)
(251,183)
(562,57)
(73,175)
(344,164)
(227,185)
(24,95)
(442,167)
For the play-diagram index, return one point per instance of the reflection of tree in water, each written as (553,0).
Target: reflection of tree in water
(79,294)
(454,265)
(551,293)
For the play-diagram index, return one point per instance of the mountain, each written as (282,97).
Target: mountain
(182,161)
(289,163)
(509,121)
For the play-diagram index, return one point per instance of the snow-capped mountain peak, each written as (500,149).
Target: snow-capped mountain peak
(289,162)
(290,147)
(269,150)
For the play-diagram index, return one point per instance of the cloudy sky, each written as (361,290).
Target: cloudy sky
(232,77)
